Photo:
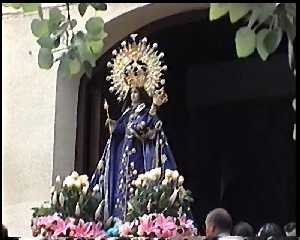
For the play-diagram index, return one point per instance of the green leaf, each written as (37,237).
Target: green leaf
(262,11)
(39,28)
(96,37)
(290,8)
(73,23)
(286,25)
(40,11)
(74,65)
(30,7)
(237,11)
(13,5)
(216,11)
(96,46)
(94,25)
(263,53)
(46,42)
(82,8)
(45,58)
(85,53)
(272,40)
(99,6)
(245,41)
(61,29)
(55,15)
(55,18)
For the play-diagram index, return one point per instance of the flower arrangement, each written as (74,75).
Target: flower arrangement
(158,192)
(159,226)
(74,210)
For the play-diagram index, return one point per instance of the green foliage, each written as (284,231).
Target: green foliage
(76,52)
(245,42)
(278,18)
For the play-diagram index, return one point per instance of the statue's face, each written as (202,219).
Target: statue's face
(135,96)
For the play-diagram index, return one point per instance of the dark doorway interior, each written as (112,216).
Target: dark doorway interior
(228,120)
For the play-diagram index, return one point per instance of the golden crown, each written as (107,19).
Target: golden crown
(136,64)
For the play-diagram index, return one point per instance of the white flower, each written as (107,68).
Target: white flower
(96,188)
(175,175)
(134,172)
(85,189)
(52,189)
(61,199)
(144,183)
(138,182)
(69,181)
(142,177)
(74,174)
(57,180)
(157,172)
(84,178)
(77,210)
(165,182)
(77,183)
(54,198)
(180,180)
(168,173)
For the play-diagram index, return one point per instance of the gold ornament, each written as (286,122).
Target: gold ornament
(136,64)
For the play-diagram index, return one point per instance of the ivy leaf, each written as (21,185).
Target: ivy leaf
(94,25)
(55,18)
(30,7)
(97,37)
(13,5)
(45,58)
(290,8)
(73,23)
(74,66)
(263,53)
(85,54)
(272,40)
(82,8)
(96,46)
(237,11)
(61,29)
(46,42)
(64,71)
(40,11)
(99,6)
(245,41)
(39,28)
(217,10)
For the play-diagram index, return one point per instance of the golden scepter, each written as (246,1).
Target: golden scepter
(107,114)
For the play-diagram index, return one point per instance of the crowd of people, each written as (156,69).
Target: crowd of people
(218,224)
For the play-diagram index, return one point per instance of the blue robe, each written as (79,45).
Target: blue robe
(137,143)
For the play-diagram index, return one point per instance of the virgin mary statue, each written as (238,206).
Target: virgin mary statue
(137,142)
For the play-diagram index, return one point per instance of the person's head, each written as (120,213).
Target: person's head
(139,95)
(218,221)
(270,230)
(290,229)
(243,229)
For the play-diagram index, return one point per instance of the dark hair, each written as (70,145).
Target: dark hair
(289,227)
(143,95)
(270,230)
(220,218)
(243,229)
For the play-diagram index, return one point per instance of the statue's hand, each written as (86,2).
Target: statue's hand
(160,97)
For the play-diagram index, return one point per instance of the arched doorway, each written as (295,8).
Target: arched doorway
(228,120)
